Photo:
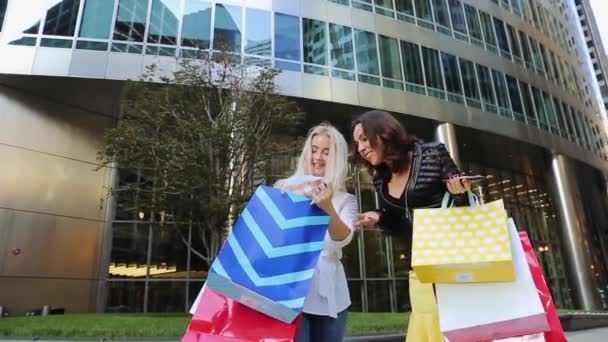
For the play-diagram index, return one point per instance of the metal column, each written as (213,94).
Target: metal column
(574,233)
(445,132)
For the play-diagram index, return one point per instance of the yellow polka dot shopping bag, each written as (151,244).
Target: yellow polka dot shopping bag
(462,244)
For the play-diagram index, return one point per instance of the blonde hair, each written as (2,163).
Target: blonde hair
(336,169)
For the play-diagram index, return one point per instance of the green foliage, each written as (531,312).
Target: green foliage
(199,140)
(153,326)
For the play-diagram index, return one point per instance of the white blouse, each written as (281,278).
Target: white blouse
(328,294)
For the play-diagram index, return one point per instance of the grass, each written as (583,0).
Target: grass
(158,326)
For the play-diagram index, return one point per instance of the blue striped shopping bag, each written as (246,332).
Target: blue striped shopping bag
(269,258)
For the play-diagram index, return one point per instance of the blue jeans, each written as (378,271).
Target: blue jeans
(315,328)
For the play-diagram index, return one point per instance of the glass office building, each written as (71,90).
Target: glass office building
(499,82)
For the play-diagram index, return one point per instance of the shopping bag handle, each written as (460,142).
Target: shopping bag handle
(448,200)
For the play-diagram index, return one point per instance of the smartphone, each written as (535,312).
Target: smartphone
(469,178)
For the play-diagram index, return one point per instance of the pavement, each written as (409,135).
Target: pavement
(593,335)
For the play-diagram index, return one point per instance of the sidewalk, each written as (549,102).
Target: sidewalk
(595,335)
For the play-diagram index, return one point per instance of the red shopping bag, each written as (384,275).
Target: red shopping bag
(556,334)
(220,319)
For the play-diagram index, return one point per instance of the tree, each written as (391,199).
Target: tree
(199,140)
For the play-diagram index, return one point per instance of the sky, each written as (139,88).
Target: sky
(600,10)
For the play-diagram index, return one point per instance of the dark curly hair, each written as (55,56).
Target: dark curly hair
(379,124)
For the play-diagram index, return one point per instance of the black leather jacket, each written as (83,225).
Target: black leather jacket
(431,165)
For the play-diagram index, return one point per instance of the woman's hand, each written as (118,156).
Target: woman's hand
(369,218)
(457,185)
(321,195)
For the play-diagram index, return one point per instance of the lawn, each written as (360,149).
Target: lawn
(157,326)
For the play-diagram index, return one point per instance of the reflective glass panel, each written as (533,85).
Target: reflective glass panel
(97,19)
(286,37)
(129,251)
(540,108)
(550,111)
(432,68)
(488,28)
(164,22)
(314,41)
(514,96)
(485,84)
(167,296)
(258,35)
(501,34)
(196,25)
(525,47)
(423,9)
(341,47)
(379,295)
(458,18)
(412,63)
(367,53)
(131,20)
(3,4)
(515,49)
(501,89)
(527,102)
(473,22)
(227,29)
(405,6)
(467,68)
(560,117)
(450,71)
(442,14)
(61,18)
(389,56)
(125,296)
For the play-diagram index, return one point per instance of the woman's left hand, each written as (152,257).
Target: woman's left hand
(457,185)
(321,195)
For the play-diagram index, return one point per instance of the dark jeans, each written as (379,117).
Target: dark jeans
(314,328)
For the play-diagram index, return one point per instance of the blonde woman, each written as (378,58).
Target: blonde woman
(325,307)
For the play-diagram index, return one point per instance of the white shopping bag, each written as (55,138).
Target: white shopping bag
(492,311)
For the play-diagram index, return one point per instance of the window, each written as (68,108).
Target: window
(528,103)
(367,57)
(432,69)
(556,75)
(423,11)
(469,80)
(196,25)
(560,118)
(163,22)
(538,62)
(452,77)
(516,7)
(228,28)
(474,24)
(341,48)
(405,10)
(503,42)
(96,19)
(540,108)
(3,4)
(412,65)
(502,94)
(365,5)
(286,41)
(442,16)
(487,88)
(550,112)
(314,40)
(458,19)
(488,31)
(258,36)
(131,20)
(385,7)
(61,19)
(514,96)
(525,50)
(546,61)
(390,63)
(569,124)
(515,48)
